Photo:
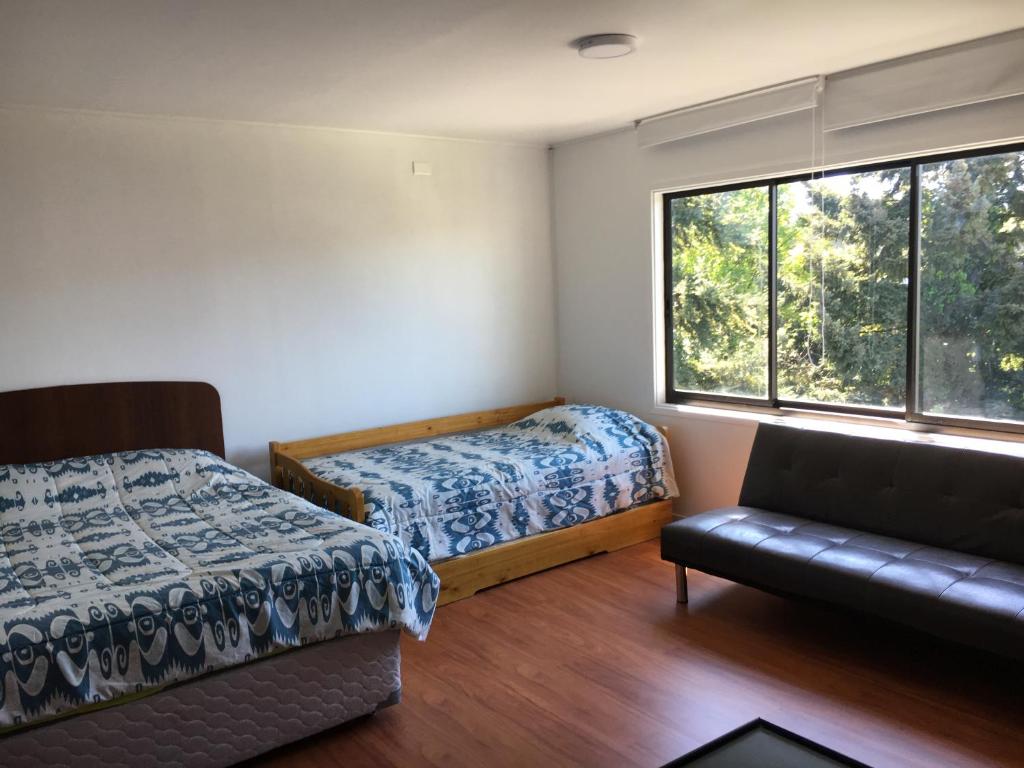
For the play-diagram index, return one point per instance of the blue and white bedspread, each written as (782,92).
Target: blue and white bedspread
(129,571)
(451,495)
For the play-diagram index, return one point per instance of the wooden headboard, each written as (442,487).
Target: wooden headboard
(80,420)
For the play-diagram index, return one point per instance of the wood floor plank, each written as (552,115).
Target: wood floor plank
(594,664)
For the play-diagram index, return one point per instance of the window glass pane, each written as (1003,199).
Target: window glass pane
(843,245)
(719,333)
(972,287)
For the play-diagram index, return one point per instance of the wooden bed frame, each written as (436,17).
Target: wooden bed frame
(465,575)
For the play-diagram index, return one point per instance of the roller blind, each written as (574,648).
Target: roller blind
(970,73)
(749,107)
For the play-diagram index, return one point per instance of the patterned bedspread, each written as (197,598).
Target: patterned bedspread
(129,571)
(561,466)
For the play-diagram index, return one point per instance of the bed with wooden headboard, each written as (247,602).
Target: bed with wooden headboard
(54,423)
(213,720)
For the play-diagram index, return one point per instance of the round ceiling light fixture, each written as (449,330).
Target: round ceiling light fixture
(605,46)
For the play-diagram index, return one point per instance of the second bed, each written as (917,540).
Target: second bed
(490,496)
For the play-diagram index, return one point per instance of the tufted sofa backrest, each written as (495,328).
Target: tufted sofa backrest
(969,501)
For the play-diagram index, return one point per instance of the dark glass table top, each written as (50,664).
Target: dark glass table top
(760,744)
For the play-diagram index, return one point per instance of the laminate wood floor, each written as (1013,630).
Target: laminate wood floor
(594,664)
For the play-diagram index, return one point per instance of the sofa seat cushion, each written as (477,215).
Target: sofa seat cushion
(963,597)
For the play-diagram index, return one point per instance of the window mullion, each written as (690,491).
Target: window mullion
(773,290)
(667,256)
(913,294)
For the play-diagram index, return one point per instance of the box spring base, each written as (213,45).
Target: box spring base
(223,718)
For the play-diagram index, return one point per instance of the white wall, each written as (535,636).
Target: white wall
(605,242)
(306,273)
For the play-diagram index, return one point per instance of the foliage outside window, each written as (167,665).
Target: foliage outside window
(720,292)
(895,290)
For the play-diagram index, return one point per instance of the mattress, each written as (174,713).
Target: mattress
(225,717)
(123,573)
(561,466)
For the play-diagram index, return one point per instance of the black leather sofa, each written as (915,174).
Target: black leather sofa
(928,536)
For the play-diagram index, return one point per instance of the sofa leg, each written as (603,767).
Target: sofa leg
(681,593)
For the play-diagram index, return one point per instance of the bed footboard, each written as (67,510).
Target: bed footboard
(290,474)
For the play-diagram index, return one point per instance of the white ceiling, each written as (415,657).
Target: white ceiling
(485,69)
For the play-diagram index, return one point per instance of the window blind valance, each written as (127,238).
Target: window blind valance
(971,73)
(743,108)
(976,72)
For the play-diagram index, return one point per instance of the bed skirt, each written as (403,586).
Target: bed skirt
(226,717)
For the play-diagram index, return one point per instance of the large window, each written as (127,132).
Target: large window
(894,290)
